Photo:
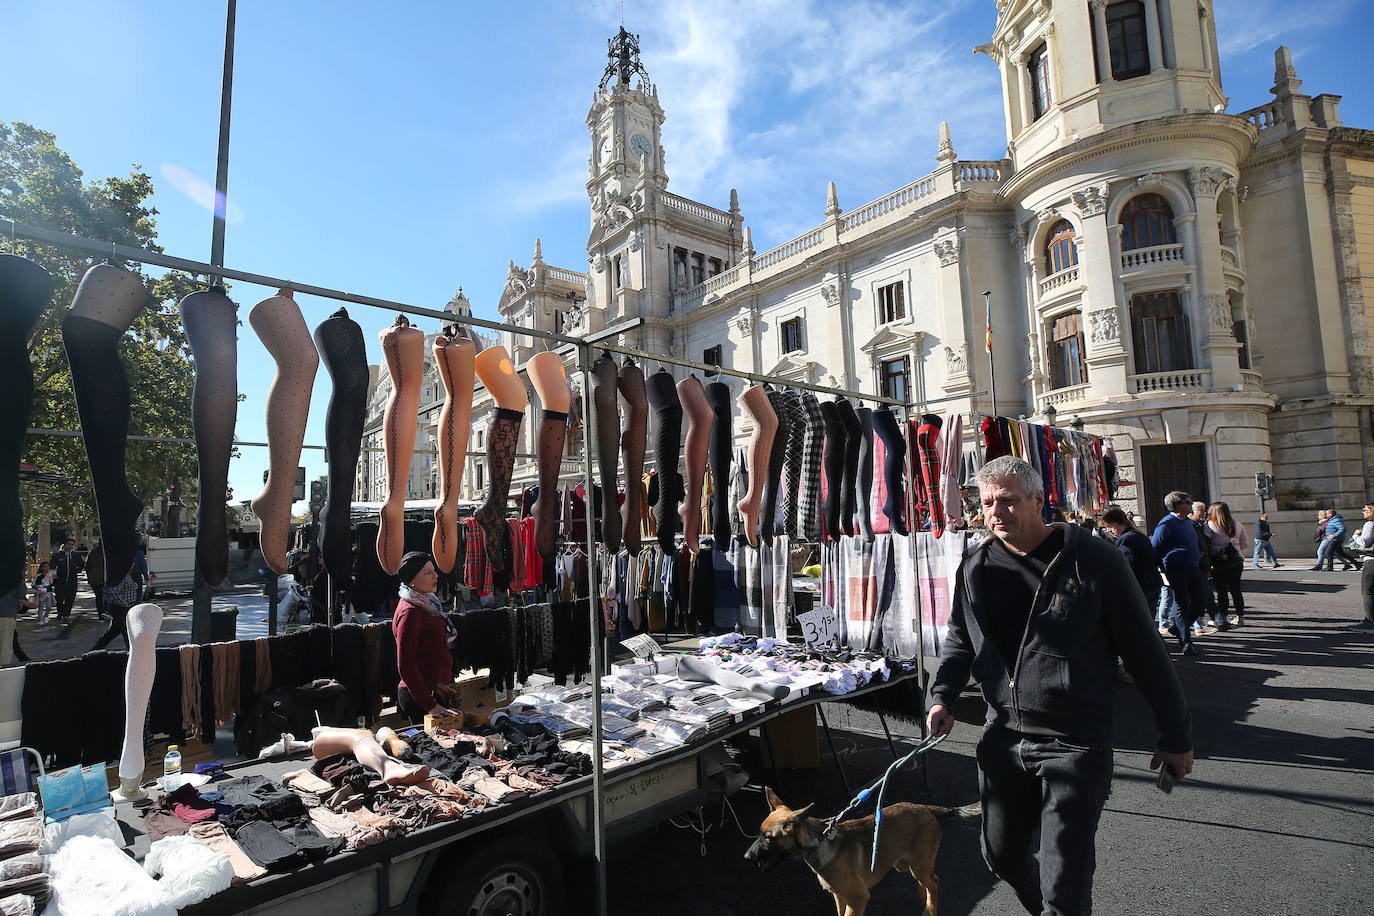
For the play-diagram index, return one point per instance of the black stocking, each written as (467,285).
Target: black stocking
(211,322)
(777,456)
(722,452)
(864,496)
(887,429)
(833,463)
(632,443)
(344,352)
(25,291)
(667,410)
(501,438)
(853,434)
(102,404)
(604,376)
(553,430)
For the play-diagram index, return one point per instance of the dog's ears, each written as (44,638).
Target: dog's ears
(801,812)
(771,797)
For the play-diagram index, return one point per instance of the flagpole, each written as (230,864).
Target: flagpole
(987,345)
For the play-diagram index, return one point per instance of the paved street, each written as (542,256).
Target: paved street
(1278,819)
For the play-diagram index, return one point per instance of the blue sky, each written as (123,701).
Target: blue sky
(405,150)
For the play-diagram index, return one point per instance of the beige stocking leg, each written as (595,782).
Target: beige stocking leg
(364,747)
(699,421)
(454,357)
(755,404)
(404,349)
(281,327)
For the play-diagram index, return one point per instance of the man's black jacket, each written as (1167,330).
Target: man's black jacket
(1088,611)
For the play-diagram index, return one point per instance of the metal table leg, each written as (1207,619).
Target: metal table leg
(772,757)
(892,745)
(839,764)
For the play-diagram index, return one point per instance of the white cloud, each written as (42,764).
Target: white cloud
(1244,26)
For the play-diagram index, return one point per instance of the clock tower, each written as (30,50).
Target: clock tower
(625,123)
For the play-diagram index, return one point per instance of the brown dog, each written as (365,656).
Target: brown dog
(910,840)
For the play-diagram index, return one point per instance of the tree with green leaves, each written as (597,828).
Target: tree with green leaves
(41,185)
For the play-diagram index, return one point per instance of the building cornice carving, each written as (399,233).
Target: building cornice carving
(1092,200)
(947,250)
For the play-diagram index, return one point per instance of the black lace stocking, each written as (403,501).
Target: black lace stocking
(553,429)
(502,436)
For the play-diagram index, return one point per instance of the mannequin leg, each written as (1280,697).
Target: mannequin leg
(756,405)
(550,381)
(722,451)
(928,446)
(454,357)
(699,420)
(864,484)
(105,305)
(853,434)
(886,427)
(404,349)
(281,327)
(792,462)
(211,322)
(813,446)
(344,352)
(25,292)
(364,747)
(143,623)
(633,441)
(662,392)
(496,371)
(607,419)
(834,469)
(768,515)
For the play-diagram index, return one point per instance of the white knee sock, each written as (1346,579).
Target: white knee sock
(142,623)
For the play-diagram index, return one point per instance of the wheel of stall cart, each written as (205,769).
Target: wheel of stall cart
(510,876)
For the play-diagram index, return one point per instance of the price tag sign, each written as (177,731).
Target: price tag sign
(819,626)
(642,646)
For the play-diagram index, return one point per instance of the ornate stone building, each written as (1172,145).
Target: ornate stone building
(1192,282)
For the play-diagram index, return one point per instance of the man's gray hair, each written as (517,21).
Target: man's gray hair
(1009,467)
(1173,499)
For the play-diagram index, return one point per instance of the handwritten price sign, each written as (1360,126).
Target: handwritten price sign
(819,626)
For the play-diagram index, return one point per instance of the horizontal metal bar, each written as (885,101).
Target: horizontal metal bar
(174,440)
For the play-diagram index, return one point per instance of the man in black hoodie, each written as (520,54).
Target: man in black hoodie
(1040,614)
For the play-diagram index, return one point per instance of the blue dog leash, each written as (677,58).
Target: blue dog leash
(881,786)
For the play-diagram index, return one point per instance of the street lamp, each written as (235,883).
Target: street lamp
(1077,423)
(1050,414)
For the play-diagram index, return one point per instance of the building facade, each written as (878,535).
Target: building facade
(1193,283)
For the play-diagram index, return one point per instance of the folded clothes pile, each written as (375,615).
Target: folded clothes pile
(24,880)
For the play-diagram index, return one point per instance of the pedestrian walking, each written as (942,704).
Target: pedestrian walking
(43,597)
(1039,613)
(95,578)
(1329,544)
(118,600)
(1199,519)
(1263,541)
(11,603)
(1138,551)
(1227,542)
(1364,542)
(68,565)
(1176,550)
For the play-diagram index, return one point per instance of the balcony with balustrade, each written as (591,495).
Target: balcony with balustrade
(1155,257)
(1060,283)
(1178,380)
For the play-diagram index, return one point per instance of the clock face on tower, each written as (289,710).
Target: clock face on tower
(639,144)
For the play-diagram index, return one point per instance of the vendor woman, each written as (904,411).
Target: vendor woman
(424,642)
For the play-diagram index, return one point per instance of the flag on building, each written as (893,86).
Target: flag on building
(987,340)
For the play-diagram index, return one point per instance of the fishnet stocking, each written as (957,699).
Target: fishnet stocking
(502,436)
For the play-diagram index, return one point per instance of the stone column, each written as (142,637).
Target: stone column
(1220,348)
(953,320)
(1106,355)
(1104,54)
(1022,65)
(1152,34)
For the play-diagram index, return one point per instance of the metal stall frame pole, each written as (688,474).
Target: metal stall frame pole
(200,589)
(987,345)
(913,528)
(597,633)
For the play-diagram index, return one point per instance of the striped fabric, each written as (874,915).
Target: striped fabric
(792,460)
(15,776)
(808,519)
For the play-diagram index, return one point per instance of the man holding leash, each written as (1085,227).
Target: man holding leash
(1040,614)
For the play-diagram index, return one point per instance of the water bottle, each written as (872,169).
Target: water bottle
(171,769)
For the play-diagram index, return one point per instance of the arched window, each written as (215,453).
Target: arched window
(1067,361)
(1146,221)
(1060,251)
(1160,332)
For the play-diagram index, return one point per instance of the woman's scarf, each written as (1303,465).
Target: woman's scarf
(430,603)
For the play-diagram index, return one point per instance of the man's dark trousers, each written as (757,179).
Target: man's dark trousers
(1190,599)
(65,593)
(1035,786)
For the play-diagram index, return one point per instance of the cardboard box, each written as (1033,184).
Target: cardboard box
(445,722)
(477,698)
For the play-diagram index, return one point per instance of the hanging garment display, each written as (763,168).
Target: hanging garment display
(550,381)
(606,418)
(210,319)
(792,462)
(454,354)
(343,351)
(863,496)
(833,465)
(403,347)
(951,457)
(667,410)
(759,409)
(695,407)
(494,367)
(633,441)
(105,305)
(809,487)
(853,445)
(777,454)
(889,432)
(25,292)
(928,446)
(722,447)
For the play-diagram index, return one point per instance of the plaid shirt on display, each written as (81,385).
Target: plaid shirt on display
(125,594)
(808,520)
(476,567)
